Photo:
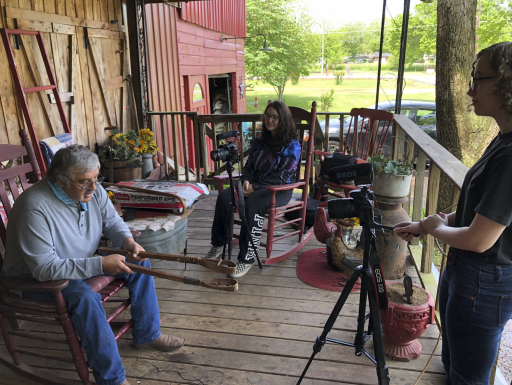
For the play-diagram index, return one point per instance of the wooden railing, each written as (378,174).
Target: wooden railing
(441,161)
(328,116)
(206,128)
(176,135)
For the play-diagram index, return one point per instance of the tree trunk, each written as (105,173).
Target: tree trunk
(458,130)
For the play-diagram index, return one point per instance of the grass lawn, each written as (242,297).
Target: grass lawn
(351,94)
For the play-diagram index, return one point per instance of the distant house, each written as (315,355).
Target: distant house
(385,57)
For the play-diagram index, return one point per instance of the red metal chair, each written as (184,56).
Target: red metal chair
(305,123)
(14,308)
(365,137)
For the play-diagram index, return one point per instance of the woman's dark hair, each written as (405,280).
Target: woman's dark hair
(286,131)
(500,56)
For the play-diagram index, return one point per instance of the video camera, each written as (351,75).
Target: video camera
(228,151)
(359,200)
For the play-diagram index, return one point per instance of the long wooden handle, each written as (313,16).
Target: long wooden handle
(147,191)
(221,266)
(223,284)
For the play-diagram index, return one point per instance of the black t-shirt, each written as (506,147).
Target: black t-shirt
(487,190)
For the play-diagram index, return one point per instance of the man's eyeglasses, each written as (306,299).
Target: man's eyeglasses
(475,80)
(275,118)
(88,185)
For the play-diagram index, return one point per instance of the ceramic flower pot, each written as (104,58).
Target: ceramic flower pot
(392,186)
(403,324)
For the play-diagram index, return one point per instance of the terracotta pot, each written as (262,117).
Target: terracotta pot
(402,325)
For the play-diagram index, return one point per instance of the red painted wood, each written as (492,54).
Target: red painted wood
(20,91)
(38,88)
(226,16)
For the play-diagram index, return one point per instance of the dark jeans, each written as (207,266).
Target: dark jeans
(475,303)
(90,322)
(256,206)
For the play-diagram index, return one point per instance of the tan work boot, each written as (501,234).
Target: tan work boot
(165,343)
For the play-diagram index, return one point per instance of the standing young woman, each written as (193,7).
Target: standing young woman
(273,160)
(476,288)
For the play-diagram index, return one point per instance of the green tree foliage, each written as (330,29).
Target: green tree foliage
(353,39)
(495,26)
(421,36)
(287,26)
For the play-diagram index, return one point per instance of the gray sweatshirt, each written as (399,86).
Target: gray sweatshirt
(50,240)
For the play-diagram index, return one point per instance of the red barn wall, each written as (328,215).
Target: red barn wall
(184,47)
(228,16)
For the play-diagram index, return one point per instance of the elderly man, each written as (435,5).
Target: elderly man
(54,230)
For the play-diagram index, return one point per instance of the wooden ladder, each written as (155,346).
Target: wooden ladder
(21,92)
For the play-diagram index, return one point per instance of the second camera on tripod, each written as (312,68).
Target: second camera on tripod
(227,152)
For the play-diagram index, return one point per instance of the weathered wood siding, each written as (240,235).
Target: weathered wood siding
(86,44)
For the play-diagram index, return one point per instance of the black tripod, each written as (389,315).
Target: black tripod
(372,284)
(230,218)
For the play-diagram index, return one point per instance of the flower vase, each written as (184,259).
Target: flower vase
(147,165)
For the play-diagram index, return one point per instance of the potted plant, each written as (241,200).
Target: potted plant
(410,312)
(392,178)
(123,149)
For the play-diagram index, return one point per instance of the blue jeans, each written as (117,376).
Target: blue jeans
(89,320)
(475,303)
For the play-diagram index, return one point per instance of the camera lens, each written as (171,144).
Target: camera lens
(219,154)
(342,208)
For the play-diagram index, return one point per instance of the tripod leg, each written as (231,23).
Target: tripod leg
(382,369)
(320,340)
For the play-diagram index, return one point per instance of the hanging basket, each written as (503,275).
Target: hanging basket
(390,185)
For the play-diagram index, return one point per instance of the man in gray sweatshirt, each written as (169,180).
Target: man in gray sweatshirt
(53,232)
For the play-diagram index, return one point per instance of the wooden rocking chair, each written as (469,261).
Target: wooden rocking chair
(14,308)
(366,136)
(305,123)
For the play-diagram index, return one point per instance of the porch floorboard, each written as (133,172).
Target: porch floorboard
(262,334)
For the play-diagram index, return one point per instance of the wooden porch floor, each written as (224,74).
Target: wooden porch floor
(262,334)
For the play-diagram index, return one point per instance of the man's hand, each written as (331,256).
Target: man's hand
(114,264)
(407,230)
(247,188)
(134,248)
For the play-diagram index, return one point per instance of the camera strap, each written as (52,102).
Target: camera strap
(240,201)
(380,283)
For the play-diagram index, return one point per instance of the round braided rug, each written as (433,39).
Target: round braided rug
(313,270)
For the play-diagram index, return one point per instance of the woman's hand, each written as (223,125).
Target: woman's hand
(407,230)
(247,188)
(432,222)
(134,249)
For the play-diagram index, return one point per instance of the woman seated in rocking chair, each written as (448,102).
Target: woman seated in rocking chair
(273,160)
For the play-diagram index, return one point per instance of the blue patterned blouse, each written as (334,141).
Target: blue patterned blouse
(264,168)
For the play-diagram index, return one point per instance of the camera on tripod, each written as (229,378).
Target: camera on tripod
(227,152)
(359,200)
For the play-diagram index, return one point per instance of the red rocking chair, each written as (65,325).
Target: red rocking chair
(366,136)
(19,316)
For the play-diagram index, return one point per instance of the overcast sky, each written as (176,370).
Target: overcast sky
(340,12)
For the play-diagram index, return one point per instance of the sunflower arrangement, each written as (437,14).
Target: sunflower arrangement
(147,144)
(124,146)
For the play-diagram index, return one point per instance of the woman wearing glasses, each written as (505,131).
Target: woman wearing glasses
(476,287)
(54,230)
(273,160)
